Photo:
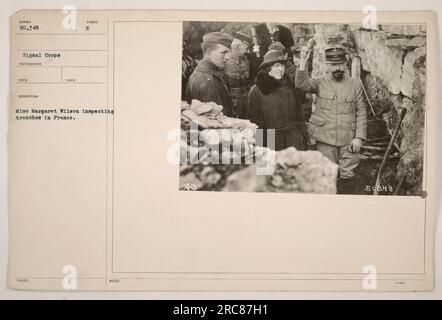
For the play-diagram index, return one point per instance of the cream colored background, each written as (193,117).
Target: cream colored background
(158,228)
(260,295)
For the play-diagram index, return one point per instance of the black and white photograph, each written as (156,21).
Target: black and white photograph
(303,108)
(295,154)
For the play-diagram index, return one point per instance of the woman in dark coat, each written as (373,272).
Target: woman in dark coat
(273,104)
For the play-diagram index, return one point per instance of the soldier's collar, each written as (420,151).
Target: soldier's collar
(207,66)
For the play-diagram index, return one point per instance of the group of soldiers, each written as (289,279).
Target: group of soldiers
(271,97)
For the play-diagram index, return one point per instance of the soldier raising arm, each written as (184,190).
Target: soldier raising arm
(338,125)
(302,79)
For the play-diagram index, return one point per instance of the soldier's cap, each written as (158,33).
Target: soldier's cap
(271,57)
(278,46)
(218,37)
(244,38)
(335,55)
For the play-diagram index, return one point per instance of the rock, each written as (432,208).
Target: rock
(412,146)
(200,108)
(408,73)
(382,61)
(406,43)
(378,93)
(295,171)
(389,61)
(184,106)
(277,181)
(397,100)
(306,171)
(397,80)
(216,121)
(364,62)
(185,168)
(354,27)
(212,136)
(209,176)
(417,42)
(392,117)
(201,121)
(419,84)
(404,29)
(398,42)
(190,181)
(246,180)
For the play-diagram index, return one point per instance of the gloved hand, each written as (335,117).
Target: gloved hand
(311,145)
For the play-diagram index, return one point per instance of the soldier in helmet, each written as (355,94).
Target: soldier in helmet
(208,83)
(338,125)
(238,73)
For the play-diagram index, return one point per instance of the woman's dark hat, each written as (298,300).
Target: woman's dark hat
(273,56)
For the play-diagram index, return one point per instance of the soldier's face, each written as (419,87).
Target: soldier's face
(219,56)
(277,71)
(337,71)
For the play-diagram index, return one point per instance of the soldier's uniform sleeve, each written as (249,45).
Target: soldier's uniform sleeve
(204,89)
(291,71)
(254,108)
(361,113)
(188,94)
(254,63)
(304,82)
